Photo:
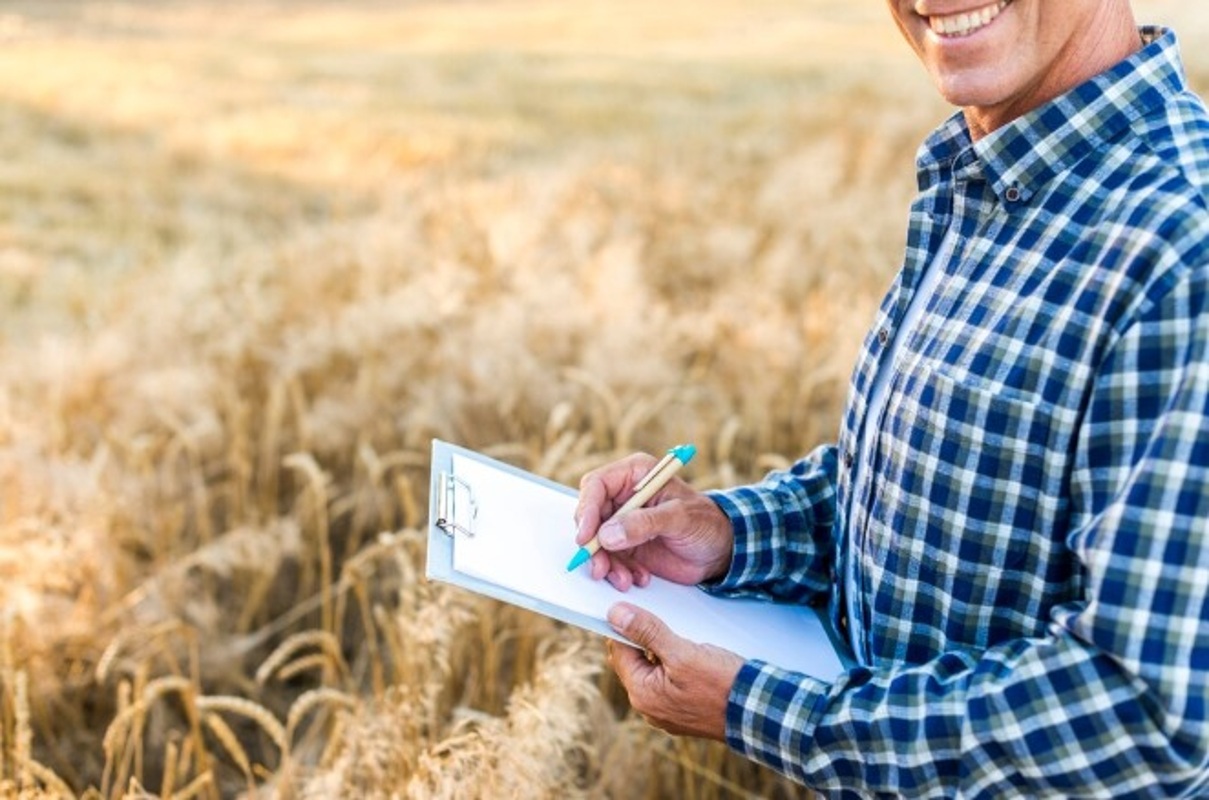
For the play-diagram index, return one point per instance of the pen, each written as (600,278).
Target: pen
(644,490)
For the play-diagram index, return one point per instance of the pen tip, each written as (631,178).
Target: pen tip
(581,555)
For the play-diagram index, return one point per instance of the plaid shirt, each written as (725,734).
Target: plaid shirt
(1023,565)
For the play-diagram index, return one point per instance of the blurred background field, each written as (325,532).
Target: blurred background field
(254,256)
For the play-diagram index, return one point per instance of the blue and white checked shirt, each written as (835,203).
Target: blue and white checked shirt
(1023,566)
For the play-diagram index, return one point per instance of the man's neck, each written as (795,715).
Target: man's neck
(1112,37)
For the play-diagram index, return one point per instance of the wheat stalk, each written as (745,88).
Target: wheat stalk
(50,779)
(317,483)
(327,643)
(267,468)
(230,743)
(238,456)
(196,786)
(185,763)
(308,701)
(124,693)
(249,710)
(374,472)
(377,676)
(394,642)
(108,656)
(128,722)
(135,791)
(335,742)
(412,510)
(24,733)
(7,745)
(169,781)
(303,664)
(144,635)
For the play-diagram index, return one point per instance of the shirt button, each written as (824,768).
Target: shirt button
(883,336)
(1012,195)
(848,459)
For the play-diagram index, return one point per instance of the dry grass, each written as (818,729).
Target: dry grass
(254,256)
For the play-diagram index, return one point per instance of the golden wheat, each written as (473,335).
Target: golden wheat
(249,710)
(254,258)
(230,743)
(329,657)
(199,785)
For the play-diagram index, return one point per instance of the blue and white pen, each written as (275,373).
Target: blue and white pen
(644,490)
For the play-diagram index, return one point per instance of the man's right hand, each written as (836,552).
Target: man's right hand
(680,535)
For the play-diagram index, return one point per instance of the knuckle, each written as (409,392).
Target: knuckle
(645,630)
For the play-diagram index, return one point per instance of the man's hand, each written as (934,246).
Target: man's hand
(680,535)
(676,685)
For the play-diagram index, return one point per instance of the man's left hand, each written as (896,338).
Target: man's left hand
(676,685)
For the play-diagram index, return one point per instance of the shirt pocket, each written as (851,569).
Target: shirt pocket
(971,485)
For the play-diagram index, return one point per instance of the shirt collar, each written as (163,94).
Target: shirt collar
(1020,157)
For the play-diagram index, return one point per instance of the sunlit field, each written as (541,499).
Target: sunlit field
(255,256)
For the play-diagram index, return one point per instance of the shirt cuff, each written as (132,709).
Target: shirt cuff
(739,573)
(771,714)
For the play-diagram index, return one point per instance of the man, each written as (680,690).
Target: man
(1012,530)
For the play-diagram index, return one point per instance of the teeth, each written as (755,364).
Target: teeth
(967,22)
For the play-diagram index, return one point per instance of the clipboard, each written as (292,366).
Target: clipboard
(505,533)
(452,512)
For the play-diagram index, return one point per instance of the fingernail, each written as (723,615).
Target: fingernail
(620,617)
(611,535)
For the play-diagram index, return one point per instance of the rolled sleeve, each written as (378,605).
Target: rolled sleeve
(783,528)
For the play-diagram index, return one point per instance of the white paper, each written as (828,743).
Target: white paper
(524,535)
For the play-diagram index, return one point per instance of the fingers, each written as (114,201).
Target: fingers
(674,684)
(641,525)
(601,563)
(642,576)
(644,629)
(620,571)
(603,490)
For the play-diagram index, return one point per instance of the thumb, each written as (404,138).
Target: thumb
(629,530)
(643,629)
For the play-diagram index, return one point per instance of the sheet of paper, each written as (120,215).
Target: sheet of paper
(524,537)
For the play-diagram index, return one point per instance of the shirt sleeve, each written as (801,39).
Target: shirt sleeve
(783,529)
(1112,701)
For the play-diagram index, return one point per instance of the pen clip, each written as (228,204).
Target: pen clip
(650,476)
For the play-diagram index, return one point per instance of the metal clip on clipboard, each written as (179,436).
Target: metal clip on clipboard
(456,510)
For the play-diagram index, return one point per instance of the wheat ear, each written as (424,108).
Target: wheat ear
(305,463)
(230,742)
(310,700)
(285,651)
(246,708)
(303,664)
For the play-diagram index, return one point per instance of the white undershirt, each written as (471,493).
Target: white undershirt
(879,394)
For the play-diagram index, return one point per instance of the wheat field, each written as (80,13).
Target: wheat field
(255,256)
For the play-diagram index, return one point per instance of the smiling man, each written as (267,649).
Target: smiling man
(1012,528)
(1001,60)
